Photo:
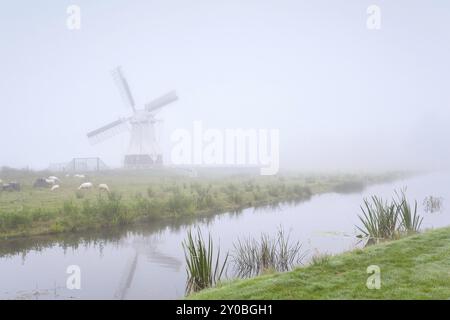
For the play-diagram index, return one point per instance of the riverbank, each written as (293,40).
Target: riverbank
(141,196)
(415,267)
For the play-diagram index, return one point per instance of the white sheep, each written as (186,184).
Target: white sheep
(50,181)
(81,176)
(55,187)
(86,185)
(103,187)
(56,179)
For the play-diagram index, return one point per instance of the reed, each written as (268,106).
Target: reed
(410,220)
(252,257)
(379,219)
(386,221)
(203,269)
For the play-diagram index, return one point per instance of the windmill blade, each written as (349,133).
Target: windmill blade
(107,131)
(123,86)
(161,101)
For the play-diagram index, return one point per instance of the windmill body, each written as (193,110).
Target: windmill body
(143,150)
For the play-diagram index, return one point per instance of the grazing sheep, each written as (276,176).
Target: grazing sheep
(81,176)
(86,185)
(55,187)
(56,179)
(103,187)
(50,181)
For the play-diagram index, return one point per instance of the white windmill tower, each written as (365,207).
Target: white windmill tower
(143,150)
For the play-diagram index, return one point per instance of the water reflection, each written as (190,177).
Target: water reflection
(115,237)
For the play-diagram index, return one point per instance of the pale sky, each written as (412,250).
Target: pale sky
(343,96)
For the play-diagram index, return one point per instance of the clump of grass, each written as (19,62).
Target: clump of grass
(320,259)
(386,221)
(203,270)
(252,257)
(148,208)
(15,220)
(111,209)
(180,204)
(379,219)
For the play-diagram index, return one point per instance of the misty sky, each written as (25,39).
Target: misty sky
(342,96)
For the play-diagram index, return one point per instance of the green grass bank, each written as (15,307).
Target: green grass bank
(137,196)
(415,267)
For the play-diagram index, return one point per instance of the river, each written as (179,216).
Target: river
(147,262)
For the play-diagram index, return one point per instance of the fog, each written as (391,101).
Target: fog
(342,96)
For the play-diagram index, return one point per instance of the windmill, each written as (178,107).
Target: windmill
(143,149)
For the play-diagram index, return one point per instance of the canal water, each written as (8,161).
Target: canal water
(147,262)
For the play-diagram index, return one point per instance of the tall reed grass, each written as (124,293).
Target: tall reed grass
(410,220)
(252,257)
(203,268)
(383,220)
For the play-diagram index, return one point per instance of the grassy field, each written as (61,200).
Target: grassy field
(140,195)
(415,267)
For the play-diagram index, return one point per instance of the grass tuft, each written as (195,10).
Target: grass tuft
(387,221)
(252,257)
(203,270)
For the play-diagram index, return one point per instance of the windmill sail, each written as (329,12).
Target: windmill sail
(107,131)
(161,101)
(123,86)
